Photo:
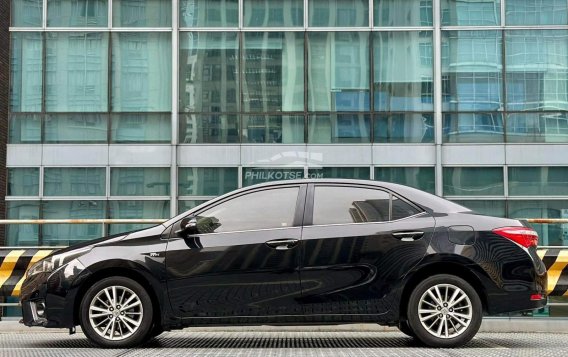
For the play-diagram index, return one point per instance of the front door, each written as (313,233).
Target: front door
(243,261)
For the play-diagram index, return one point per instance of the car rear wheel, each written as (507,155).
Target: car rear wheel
(444,311)
(116,312)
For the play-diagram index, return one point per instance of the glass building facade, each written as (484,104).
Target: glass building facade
(146,108)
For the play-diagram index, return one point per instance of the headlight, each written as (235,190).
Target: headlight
(49,264)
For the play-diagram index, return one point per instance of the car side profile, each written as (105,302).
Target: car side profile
(312,251)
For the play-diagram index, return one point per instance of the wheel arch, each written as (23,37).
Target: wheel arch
(123,269)
(441,267)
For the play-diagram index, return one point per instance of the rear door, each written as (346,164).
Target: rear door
(358,242)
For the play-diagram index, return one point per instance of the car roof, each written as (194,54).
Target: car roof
(427,201)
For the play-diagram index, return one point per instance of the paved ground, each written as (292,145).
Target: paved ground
(275,343)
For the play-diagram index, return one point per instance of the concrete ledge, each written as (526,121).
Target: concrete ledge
(499,325)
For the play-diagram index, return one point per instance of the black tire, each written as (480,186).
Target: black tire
(454,333)
(404,327)
(155,331)
(144,314)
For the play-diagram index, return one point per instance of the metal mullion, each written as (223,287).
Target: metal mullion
(110,14)
(371,13)
(196,198)
(471,28)
(208,29)
(400,28)
(139,198)
(437,81)
(502,12)
(339,29)
(371,91)
(140,29)
(240,10)
(305,17)
(77,29)
(44,15)
(506,179)
(174,112)
(272,29)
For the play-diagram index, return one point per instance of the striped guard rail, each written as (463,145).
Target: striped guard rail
(16,261)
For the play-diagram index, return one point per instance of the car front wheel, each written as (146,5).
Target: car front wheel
(116,312)
(444,311)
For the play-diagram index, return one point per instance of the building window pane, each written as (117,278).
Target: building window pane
(537,69)
(339,128)
(141,128)
(473,181)
(186,205)
(403,13)
(549,234)
(76,72)
(338,13)
(273,65)
(269,13)
(471,13)
(139,181)
(136,210)
(536,12)
(208,13)
(254,175)
(358,173)
(403,71)
(537,127)
(73,13)
(77,181)
(404,128)
(486,207)
(141,72)
(338,72)
(473,128)
(76,128)
(26,13)
(22,234)
(23,181)
(538,181)
(421,178)
(68,234)
(212,128)
(26,63)
(208,72)
(207,181)
(280,129)
(471,71)
(24,129)
(141,13)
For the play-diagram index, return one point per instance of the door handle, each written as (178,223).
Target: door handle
(408,236)
(282,244)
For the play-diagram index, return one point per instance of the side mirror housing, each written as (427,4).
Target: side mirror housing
(187,226)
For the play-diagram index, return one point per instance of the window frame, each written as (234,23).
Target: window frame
(310,199)
(297,222)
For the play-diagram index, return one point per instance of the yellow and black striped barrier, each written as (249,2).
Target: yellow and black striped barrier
(15,262)
(13,266)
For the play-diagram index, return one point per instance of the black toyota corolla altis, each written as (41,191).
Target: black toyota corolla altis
(296,252)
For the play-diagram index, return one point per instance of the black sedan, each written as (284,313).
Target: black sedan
(296,252)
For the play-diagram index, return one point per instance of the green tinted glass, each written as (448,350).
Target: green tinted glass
(339,129)
(536,12)
(140,181)
(141,72)
(76,128)
(185,205)
(73,13)
(546,127)
(360,173)
(137,210)
(486,207)
(537,181)
(473,181)
(206,181)
(68,234)
(404,128)
(208,72)
(141,128)
(26,62)
(24,129)
(338,13)
(22,234)
(254,175)
(473,128)
(549,234)
(279,129)
(26,13)
(77,181)
(213,128)
(208,13)
(23,181)
(403,13)
(338,73)
(471,13)
(421,178)
(141,13)
(269,13)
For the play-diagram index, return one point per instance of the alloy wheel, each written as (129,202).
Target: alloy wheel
(115,312)
(445,311)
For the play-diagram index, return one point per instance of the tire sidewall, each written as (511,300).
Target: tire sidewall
(145,326)
(414,320)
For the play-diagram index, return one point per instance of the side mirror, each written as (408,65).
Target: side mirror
(187,226)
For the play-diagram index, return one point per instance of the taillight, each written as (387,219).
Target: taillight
(527,237)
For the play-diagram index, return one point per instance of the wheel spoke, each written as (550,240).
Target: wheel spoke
(129,320)
(434,298)
(131,305)
(424,318)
